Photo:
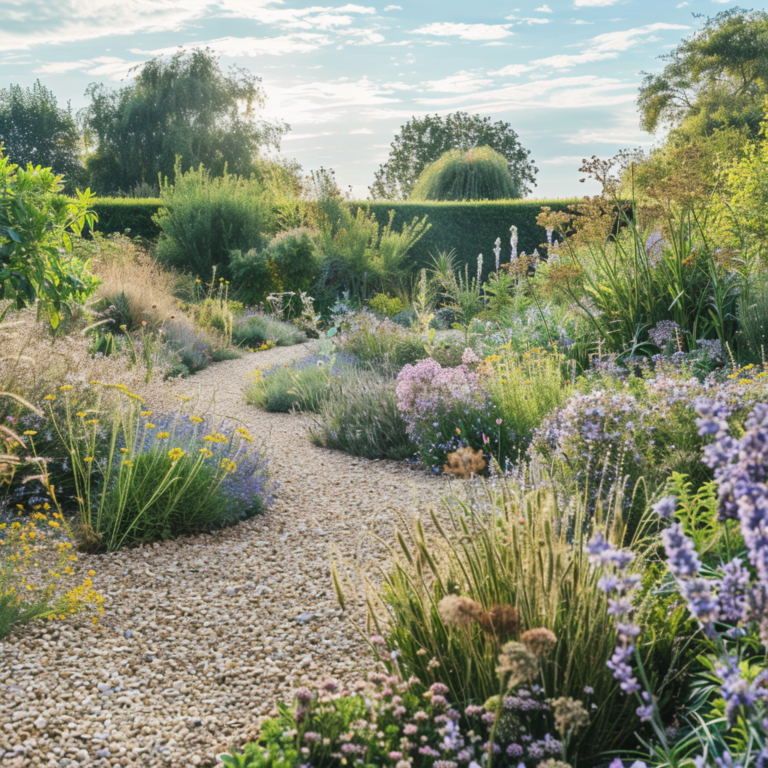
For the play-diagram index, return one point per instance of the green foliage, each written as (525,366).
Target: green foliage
(359,415)
(752,337)
(284,389)
(35,244)
(36,131)
(423,140)
(473,174)
(468,228)
(507,545)
(388,306)
(716,78)
(131,215)
(181,108)
(382,344)
(204,219)
(257,329)
(289,263)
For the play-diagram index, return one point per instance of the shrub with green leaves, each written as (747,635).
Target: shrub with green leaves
(289,263)
(36,221)
(255,330)
(359,415)
(479,173)
(203,220)
(380,343)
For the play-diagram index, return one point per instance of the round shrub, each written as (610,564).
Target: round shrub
(288,263)
(474,174)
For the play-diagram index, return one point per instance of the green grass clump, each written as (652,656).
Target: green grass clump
(256,330)
(286,389)
(360,416)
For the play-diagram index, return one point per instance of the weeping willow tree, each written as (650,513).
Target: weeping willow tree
(473,174)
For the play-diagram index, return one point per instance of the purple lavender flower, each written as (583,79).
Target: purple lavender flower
(666,507)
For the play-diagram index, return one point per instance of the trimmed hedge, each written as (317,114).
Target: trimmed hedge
(469,227)
(118,214)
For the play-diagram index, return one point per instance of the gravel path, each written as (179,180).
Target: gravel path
(202,635)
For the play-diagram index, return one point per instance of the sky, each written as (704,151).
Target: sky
(345,77)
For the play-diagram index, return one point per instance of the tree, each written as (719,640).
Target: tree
(716,79)
(473,174)
(36,263)
(182,106)
(423,140)
(35,130)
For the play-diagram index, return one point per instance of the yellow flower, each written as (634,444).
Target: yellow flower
(244,434)
(149,426)
(91,573)
(175,454)
(49,397)
(81,414)
(195,419)
(92,421)
(127,463)
(163,435)
(183,399)
(145,413)
(65,388)
(124,450)
(458,431)
(88,458)
(53,524)
(30,432)
(206,453)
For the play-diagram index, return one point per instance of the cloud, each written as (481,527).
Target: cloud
(465,31)
(623,131)
(362,131)
(682,5)
(527,20)
(594,3)
(393,8)
(576,160)
(543,9)
(112,67)
(461,82)
(280,45)
(512,70)
(606,46)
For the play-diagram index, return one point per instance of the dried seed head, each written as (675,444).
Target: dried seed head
(518,662)
(500,620)
(539,640)
(459,611)
(570,715)
(465,462)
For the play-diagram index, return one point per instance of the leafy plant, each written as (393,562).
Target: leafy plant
(35,242)
(280,390)
(256,329)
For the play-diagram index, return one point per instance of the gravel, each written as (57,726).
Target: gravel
(201,636)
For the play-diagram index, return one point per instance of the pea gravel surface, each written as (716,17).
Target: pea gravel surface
(202,635)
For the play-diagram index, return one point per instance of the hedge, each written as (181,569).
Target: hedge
(469,228)
(134,214)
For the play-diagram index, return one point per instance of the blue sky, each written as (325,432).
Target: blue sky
(345,76)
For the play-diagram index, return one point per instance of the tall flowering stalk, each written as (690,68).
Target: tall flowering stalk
(497,253)
(513,243)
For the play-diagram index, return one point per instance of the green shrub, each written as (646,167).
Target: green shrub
(359,415)
(752,336)
(256,330)
(383,304)
(288,263)
(203,219)
(127,215)
(381,343)
(282,389)
(479,173)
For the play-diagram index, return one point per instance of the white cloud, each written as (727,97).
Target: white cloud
(58,67)
(512,70)
(304,42)
(594,3)
(563,61)
(527,20)
(393,8)
(543,9)
(465,31)
(362,131)
(112,67)
(461,82)
(575,160)
(682,5)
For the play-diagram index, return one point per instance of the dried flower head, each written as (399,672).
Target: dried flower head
(459,611)
(465,463)
(518,662)
(538,640)
(553,763)
(570,715)
(500,620)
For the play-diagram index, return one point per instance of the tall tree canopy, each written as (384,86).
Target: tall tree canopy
(423,140)
(183,105)
(715,79)
(34,129)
